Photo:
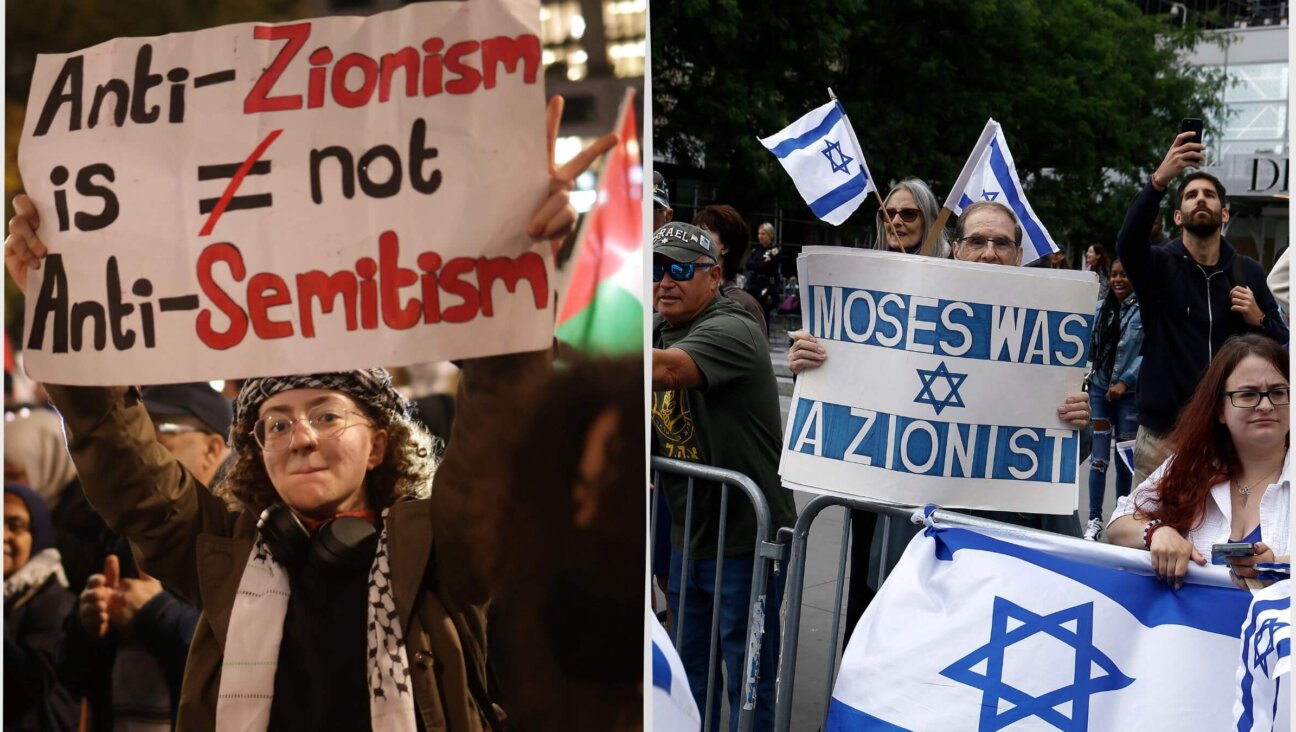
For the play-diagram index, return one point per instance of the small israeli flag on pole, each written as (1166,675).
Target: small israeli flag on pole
(990,175)
(823,157)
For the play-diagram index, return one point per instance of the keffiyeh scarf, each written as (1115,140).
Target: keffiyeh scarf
(256,631)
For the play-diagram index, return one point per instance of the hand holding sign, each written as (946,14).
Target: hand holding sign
(23,248)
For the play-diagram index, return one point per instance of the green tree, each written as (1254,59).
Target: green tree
(1090,94)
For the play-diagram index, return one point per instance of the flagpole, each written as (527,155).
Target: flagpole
(855,141)
(929,244)
(987,133)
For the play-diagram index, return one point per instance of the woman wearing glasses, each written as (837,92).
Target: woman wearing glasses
(331,596)
(1229,479)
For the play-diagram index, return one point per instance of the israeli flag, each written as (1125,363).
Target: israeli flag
(821,154)
(1125,450)
(990,175)
(999,629)
(673,707)
(1263,697)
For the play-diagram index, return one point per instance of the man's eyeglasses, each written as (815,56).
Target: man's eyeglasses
(1279,396)
(275,432)
(907,215)
(1001,244)
(679,271)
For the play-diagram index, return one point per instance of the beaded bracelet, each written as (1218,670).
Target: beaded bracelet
(1148,530)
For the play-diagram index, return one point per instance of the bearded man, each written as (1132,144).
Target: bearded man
(1195,291)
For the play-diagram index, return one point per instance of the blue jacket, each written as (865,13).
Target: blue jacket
(1129,350)
(1186,310)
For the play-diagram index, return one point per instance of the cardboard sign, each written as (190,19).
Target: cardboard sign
(265,199)
(942,382)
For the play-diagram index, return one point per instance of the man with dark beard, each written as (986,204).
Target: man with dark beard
(1195,292)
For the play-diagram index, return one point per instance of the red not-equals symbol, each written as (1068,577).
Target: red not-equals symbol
(236,172)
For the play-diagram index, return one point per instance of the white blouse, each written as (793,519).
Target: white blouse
(1216,524)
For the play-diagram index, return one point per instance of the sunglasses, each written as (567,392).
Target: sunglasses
(907,215)
(679,271)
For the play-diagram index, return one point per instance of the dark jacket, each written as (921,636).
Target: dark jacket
(34,699)
(165,626)
(1186,310)
(198,546)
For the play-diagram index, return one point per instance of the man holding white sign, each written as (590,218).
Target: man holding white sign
(989,233)
(334,592)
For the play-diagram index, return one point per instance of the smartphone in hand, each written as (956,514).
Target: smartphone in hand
(1194,125)
(1232,549)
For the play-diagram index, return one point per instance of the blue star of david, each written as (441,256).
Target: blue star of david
(1265,642)
(841,165)
(1023,705)
(928,378)
(989,195)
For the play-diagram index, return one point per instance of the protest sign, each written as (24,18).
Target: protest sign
(310,196)
(993,629)
(942,382)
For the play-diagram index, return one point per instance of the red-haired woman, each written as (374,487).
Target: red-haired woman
(1229,479)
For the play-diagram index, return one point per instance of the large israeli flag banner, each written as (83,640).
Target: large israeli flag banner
(1263,696)
(821,154)
(998,629)
(990,175)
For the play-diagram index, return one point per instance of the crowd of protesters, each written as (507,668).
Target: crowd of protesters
(1186,357)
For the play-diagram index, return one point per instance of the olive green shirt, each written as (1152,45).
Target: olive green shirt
(732,421)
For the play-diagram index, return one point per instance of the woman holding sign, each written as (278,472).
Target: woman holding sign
(335,593)
(1229,480)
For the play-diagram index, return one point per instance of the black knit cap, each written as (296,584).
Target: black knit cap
(370,387)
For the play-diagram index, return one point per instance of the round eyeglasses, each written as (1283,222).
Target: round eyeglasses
(275,432)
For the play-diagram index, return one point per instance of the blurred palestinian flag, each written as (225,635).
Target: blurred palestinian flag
(602,310)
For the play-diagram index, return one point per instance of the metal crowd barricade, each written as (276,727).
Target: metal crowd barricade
(765,550)
(795,587)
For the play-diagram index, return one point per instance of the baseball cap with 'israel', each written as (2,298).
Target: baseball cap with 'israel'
(683,242)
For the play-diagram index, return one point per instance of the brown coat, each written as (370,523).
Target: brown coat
(444,555)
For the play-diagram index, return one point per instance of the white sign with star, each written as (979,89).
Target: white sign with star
(942,382)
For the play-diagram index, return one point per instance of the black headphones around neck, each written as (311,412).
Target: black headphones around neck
(341,542)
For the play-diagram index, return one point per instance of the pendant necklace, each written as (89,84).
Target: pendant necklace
(1245,489)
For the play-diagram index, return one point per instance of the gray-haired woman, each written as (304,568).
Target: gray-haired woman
(911,208)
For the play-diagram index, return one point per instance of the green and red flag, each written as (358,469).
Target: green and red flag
(602,310)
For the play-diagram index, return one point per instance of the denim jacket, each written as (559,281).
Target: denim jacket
(1129,350)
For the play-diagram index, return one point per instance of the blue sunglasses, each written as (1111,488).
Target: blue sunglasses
(679,271)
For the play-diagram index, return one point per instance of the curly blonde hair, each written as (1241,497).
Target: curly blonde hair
(406,469)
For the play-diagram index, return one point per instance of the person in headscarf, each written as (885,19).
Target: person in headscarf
(37,604)
(36,455)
